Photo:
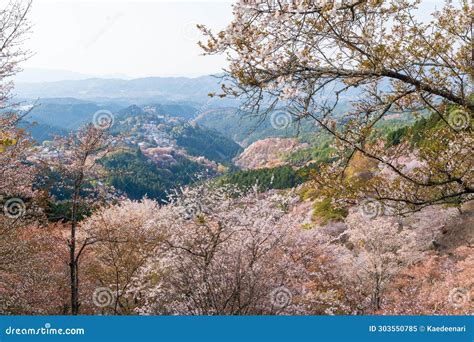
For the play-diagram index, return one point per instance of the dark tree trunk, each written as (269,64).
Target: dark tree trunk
(73,262)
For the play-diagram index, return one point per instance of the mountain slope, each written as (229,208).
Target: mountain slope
(150,130)
(134,174)
(267,153)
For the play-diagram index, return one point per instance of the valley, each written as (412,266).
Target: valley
(182,163)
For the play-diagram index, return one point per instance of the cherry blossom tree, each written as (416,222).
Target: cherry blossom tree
(376,58)
(123,237)
(14,28)
(214,259)
(225,253)
(36,282)
(438,284)
(379,249)
(76,162)
(15,145)
(18,200)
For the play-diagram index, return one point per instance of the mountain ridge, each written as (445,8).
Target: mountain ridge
(145,89)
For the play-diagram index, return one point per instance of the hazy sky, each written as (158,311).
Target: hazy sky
(133,38)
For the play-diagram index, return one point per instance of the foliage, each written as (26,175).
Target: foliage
(211,144)
(135,175)
(415,133)
(394,137)
(320,153)
(62,211)
(282,177)
(324,212)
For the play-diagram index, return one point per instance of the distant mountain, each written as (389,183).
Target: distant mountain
(246,129)
(200,141)
(178,110)
(66,113)
(71,113)
(41,132)
(141,91)
(38,75)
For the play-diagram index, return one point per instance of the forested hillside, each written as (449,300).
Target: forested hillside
(133,174)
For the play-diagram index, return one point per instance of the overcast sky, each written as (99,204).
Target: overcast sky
(129,38)
(132,38)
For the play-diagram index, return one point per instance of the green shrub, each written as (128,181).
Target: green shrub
(323,212)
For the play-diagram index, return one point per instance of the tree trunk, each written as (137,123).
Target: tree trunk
(73,262)
(376,297)
(74,285)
